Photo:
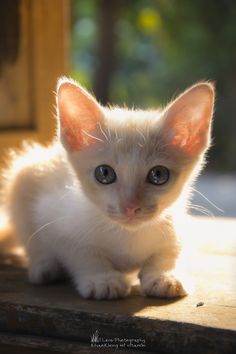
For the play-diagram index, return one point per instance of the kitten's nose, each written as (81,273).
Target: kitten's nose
(132,209)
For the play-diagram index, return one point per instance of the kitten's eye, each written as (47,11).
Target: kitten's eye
(158,175)
(105,174)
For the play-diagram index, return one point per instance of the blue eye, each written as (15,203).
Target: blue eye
(105,174)
(158,175)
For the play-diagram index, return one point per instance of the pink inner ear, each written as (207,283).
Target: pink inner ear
(189,119)
(191,136)
(79,116)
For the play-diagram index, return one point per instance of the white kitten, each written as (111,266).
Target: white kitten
(104,204)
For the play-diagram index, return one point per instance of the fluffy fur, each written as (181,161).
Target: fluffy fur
(66,219)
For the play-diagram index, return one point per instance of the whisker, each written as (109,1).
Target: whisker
(109,133)
(92,136)
(210,202)
(141,133)
(201,209)
(102,131)
(41,228)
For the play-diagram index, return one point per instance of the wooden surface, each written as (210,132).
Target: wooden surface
(203,322)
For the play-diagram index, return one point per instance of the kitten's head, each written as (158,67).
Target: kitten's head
(134,164)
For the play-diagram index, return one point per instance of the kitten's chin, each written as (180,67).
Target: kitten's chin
(133,223)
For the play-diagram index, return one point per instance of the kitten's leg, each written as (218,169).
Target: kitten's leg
(43,268)
(42,265)
(156,278)
(95,277)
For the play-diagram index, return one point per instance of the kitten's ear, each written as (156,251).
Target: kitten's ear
(79,114)
(187,120)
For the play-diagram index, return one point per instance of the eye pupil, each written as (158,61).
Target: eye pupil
(158,175)
(105,174)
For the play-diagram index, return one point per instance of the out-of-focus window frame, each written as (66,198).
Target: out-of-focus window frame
(48,23)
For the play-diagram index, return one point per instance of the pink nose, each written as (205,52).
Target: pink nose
(132,209)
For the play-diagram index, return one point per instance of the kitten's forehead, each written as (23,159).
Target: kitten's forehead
(134,135)
(123,117)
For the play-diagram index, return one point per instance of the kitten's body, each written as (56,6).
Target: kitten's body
(65,219)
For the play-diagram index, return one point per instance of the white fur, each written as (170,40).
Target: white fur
(60,213)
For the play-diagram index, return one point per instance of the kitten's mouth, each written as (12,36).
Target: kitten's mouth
(131,220)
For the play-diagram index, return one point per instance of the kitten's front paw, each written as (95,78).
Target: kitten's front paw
(163,286)
(103,286)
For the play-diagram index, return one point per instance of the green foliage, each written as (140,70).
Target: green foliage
(162,47)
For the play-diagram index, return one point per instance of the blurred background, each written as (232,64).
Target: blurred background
(143,53)
(139,53)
